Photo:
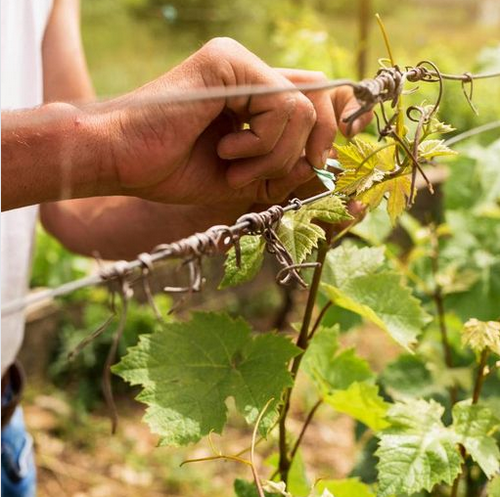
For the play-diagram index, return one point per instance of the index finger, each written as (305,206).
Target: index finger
(345,105)
(321,138)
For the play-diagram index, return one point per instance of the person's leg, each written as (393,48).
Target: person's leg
(18,465)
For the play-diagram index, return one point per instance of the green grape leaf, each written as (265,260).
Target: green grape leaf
(300,235)
(362,402)
(348,261)
(436,126)
(398,190)
(188,370)
(475,425)
(252,256)
(345,369)
(385,301)
(351,281)
(364,164)
(335,372)
(352,182)
(408,376)
(321,350)
(352,155)
(365,155)
(332,370)
(372,197)
(330,209)
(417,451)
(481,335)
(428,149)
(349,487)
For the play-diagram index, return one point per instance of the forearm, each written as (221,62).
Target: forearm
(53,152)
(122,227)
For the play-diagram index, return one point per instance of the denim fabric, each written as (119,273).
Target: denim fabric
(18,464)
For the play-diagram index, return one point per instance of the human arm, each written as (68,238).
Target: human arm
(159,151)
(122,227)
(84,225)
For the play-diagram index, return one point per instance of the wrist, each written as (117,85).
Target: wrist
(50,153)
(73,143)
(86,135)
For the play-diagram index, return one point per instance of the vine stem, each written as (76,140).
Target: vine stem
(256,478)
(306,424)
(284,458)
(437,296)
(478,386)
(320,317)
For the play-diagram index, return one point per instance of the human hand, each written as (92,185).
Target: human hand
(198,153)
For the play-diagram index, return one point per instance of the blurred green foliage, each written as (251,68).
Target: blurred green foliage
(132,41)
(53,265)
(84,372)
(468,274)
(469,239)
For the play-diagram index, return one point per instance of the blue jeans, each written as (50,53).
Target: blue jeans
(18,463)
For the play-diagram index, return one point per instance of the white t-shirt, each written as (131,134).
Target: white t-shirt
(23,24)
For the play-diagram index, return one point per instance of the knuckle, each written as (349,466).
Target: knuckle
(216,61)
(289,105)
(307,111)
(221,44)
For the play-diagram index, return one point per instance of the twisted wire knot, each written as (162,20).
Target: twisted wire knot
(386,85)
(418,73)
(196,245)
(117,271)
(425,70)
(259,221)
(264,223)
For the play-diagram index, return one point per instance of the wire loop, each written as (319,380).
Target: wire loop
(469,79)
(296,203)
